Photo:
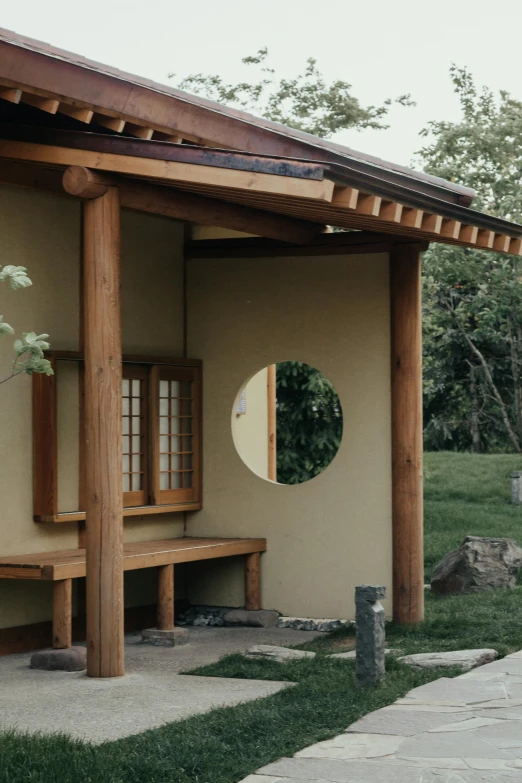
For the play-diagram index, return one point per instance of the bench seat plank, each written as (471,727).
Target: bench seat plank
(70,564)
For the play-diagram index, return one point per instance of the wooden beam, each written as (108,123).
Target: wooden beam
(11,94)
(450,228)
(62,613)
(345,198)
(253,582)
(140,131)
(501,243)
(166,597)
(170,171)
(431,223)
(412,218)
(85,183)
(368,205)
(515,246)
(485,238)
(115,124)
(468,234)
(76,112)
(49,105)
(406,388)
(392,211)
(272,421)
(103,460)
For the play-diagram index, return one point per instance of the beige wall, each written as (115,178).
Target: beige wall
(250,429)
(324,536)
(41,231)
(331,533)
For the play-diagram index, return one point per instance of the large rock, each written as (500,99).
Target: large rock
(68,659)
(259,618)
(280,654)
(466,659)
(478,564)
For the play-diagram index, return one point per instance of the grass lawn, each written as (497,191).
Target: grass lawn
(464,495)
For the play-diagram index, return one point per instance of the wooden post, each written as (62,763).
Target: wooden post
(252,581)
(62,613)
(406,391)
(272,427)
(103,460)
(166,597)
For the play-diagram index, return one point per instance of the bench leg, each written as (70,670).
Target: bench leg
(252,582)
(166,597)
(62,613)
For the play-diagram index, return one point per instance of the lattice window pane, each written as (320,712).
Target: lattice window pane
(175,434)
(133,446)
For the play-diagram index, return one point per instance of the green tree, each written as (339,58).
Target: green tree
(29,350)
(473,299)
(307,102)
(309,422)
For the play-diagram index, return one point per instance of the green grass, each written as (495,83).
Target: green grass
(467,494)
(222,746)
(464,495)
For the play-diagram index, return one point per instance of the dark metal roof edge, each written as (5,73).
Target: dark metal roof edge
(335,153)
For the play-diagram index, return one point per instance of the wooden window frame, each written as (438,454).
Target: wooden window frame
(138,372)
(179,495)
(150,500)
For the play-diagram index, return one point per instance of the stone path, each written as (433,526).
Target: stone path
(462,730)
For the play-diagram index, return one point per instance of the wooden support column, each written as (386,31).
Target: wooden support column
(406,390)
(166,597)
(253,581)
(62,613)
(103,468)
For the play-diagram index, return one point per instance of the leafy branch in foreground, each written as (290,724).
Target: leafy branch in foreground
(30,348)
(308,103)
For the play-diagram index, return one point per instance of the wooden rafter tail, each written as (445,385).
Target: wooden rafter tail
(468,235)
(412,218)
(432,224)
(450,228)
(76,112)
(485,238)
(392,211)
(49,105)
(501,243)
(345,198)
(112,123)
(515,246)
(368,205)
(139,131)
(11,94)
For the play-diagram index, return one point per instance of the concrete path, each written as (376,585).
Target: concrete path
(150,694)
(462,730)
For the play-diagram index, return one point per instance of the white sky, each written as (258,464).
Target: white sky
(382,47)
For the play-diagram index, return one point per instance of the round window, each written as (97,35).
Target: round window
(287,422)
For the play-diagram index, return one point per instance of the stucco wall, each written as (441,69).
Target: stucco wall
(42,232)
(250,429)
(331,533)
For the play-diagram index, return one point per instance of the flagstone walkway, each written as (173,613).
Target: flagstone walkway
(462,730)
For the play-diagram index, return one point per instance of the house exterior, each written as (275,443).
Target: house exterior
(216,223)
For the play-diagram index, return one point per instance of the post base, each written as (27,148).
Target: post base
(68,659)
(174,637)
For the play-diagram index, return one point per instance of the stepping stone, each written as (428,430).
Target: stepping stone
(457,692)
(259,618)
(466,659)
(280,654)
(407,723)
(354,746)
(69,659)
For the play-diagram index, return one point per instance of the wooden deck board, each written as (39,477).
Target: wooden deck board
(70,563)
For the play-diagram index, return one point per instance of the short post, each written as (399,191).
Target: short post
(370,634)
(516,487)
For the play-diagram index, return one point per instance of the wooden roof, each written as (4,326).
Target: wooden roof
(61,110)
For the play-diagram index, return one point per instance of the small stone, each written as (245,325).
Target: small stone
(311,624)
(281,654)
(173,637)
(261,618)
(69,659)
(466,659)
(478,564)
(200,620)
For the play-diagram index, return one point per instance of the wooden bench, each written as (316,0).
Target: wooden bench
(62,567)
